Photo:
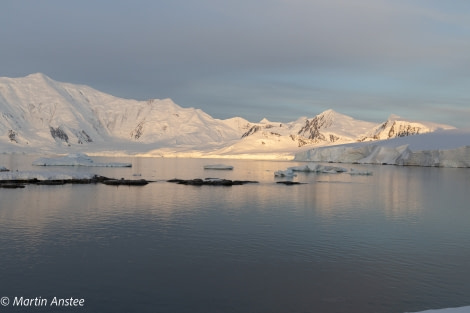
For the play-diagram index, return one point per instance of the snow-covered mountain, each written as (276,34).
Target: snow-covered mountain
(278,139)
(36,110)
(397,126)
(42,115)
(326,127)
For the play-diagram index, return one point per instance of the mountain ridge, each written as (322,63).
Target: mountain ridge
(41,114)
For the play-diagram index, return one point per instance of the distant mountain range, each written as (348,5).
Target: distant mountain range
(38,114)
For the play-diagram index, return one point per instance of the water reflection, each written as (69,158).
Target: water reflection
(392,242)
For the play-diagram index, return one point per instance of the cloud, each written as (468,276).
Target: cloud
(295,56)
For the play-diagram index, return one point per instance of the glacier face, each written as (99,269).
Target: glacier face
(449,148)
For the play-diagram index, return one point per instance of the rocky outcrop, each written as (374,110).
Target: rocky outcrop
(211,182)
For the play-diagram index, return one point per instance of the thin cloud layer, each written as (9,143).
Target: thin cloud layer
(277,59)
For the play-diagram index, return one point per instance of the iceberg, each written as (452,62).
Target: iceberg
(3,169)
(286,173)
(76,159)
(450,148)
(317,168)
(218,167)
(356,172)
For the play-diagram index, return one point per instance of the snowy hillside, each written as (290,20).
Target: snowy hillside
(40,115)
(37,111)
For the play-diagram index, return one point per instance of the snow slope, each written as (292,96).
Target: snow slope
(38,111)
(443,148)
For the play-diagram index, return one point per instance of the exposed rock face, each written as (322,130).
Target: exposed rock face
(313,127)
(59,134)
(252,130)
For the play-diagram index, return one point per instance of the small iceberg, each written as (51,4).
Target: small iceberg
(317,168)
(287,173)
(76,159)
(4,169)
(356,172)
(218,167)
(18,179)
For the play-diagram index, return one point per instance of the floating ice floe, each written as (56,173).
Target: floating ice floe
(286,173)
(317,168)
(76,159)
(357,172)
(310,168)
(218,167)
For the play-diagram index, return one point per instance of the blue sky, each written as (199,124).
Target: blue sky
(279,59)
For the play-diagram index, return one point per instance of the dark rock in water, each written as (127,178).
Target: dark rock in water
(127,182)
(174,180)
(11,185)
(19,183)
(210,182)
(288,183)
(51,182)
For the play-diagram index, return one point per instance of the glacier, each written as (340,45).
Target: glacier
(445,148)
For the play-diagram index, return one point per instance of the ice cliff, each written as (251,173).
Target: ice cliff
(449,148)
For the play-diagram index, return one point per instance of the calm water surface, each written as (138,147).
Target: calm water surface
(396,241)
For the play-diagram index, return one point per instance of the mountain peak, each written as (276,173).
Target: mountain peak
(394,117)
(328,112)
(38,76)
(331,115)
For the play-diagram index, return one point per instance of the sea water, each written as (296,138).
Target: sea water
(395,241)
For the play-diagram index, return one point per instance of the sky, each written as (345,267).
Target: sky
(279,59)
